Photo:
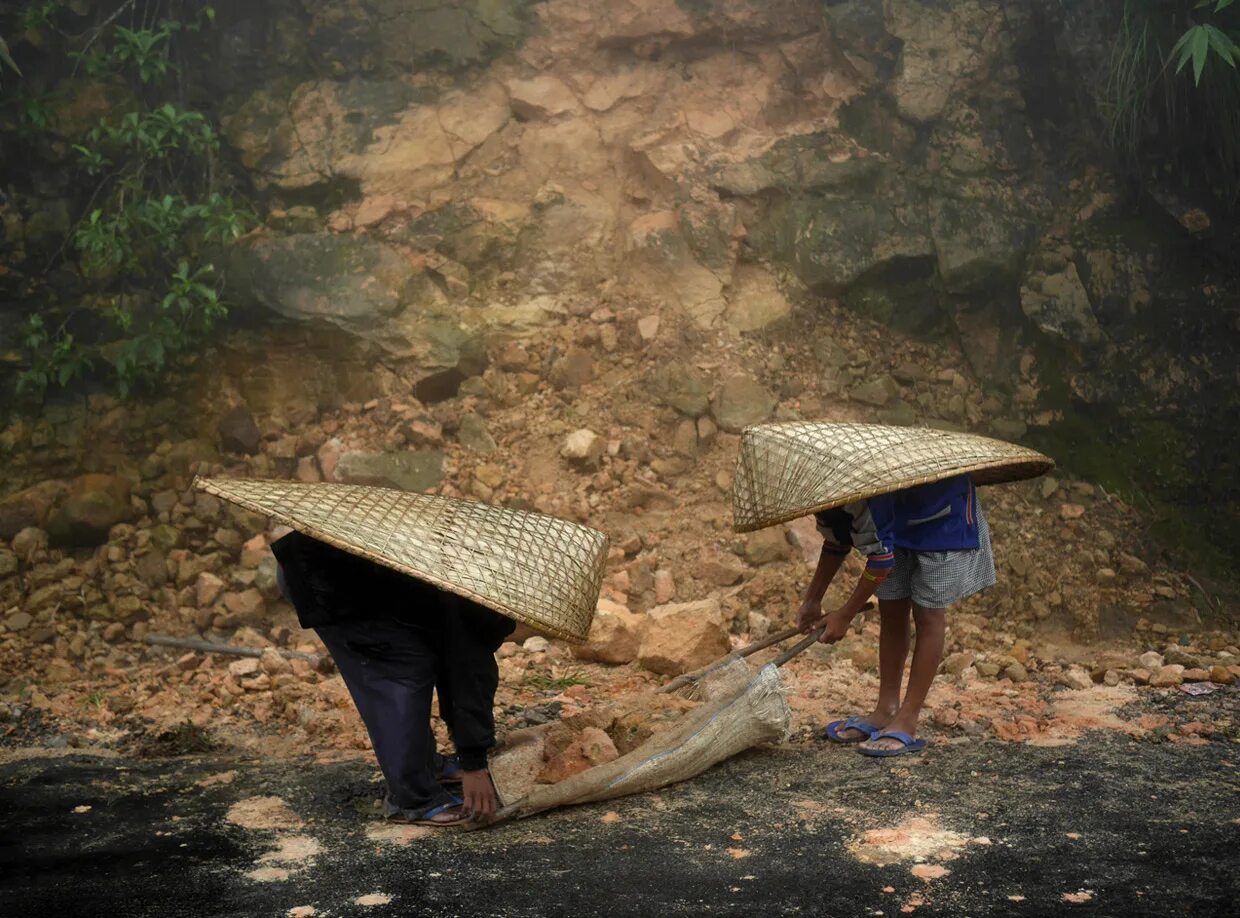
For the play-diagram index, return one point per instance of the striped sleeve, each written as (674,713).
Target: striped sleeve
(875,545)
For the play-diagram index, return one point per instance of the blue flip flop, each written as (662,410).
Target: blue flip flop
(908,747)
(428,817)
(832,730)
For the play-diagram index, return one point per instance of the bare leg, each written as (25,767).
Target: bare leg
(927,654)
(892,653)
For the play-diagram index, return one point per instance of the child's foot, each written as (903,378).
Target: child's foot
(900,739)
(857,729)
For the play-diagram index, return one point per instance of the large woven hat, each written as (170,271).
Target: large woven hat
(789,470)
(540,570)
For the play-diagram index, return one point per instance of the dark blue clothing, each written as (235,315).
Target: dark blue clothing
(396,640)
(940,516)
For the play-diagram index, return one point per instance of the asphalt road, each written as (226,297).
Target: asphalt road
(1108,826)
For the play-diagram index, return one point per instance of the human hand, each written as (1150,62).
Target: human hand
(808,615)
(837,626)
(479,794)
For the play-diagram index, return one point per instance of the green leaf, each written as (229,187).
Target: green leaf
(1223,46)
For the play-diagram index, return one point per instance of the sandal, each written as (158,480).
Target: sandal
(832,731)
(454,810)
(908,745)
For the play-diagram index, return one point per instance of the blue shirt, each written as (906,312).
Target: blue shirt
(940,516)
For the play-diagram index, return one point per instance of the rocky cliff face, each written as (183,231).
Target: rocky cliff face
(440,176)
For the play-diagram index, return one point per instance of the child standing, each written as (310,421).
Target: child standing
(927,547)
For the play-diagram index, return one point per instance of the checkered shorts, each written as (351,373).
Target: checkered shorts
(937,579)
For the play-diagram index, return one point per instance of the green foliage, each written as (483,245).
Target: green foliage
(1152,110)
(1199,40)
(155,213)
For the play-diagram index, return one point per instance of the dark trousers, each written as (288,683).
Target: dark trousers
(391,669)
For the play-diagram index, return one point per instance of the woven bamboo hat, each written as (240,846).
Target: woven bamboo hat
(540,570)
(789,470)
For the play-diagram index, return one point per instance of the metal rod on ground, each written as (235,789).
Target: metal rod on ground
(163,640)
(735,655)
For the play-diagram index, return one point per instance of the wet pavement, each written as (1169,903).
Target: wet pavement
(1108,826)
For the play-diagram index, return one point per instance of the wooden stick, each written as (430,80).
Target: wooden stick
(163,640)
(799,646)
(748,650)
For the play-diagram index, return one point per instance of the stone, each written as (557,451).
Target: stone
(92,505)
(1185,658)
(355,283)
(573,370)
(1222,675)
(238,432)
(536,644)
(719,572)
(540,98)
(244,668)
(648,328)
(681,637)
(615,635)
(152,568)
(1110,678)
(246,606)
(490,474)
(1016,672)
(1071,511)
(28,508)
(18,621)
(1168,676)
(1151,660)
(584,448)
(207,589)
(740,402)
(591,748)
(877,392)
(473,434)
(1076,677)
(664,586)
(955,663)
(1196,675)
(766,546)
(273,663)
(1055,300)
(684,388)
(409,470)
(9,564)
(27,542)
(759,625)
(755,301)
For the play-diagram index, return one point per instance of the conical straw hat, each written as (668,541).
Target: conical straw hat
(789,470)
(540,570)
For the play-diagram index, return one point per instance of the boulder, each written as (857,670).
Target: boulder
(409,470)
(1055,300)
(877,392)
(755,301)
(615,635)
(592,747)
(239,433)
(540,98)
(28,507)
(740,402)
(356,284)
(767,545)
(92,505)
(685,636)
(684,388)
